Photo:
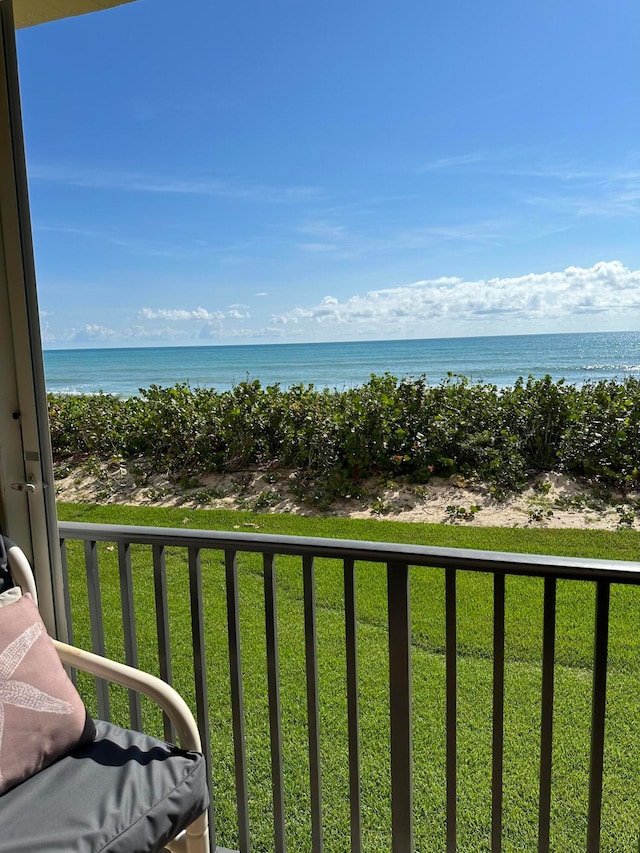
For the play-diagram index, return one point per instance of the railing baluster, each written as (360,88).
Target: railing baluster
(65,586)
(313,706)
(351,643)
(237,701)
(452,707)
(275,716)
(400,707)
(97,626)
(599,705)
(129,628)
(546,722)
(67,603)
(162,627)
(200,676)
(498,711)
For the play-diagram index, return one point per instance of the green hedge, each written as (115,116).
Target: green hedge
(389,427)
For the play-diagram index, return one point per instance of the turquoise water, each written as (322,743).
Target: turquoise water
(499,360)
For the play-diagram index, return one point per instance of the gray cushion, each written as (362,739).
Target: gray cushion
(5,577)
(123,792)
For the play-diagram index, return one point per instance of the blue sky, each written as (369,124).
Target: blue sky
(290,171)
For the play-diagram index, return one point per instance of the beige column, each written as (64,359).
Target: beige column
(27,498)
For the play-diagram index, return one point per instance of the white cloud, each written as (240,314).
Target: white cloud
(198,322)
(247,334)
(161,334)
(89,333)
(604,296)
(451,162)
(199,315)
(95,178)
(147,247)
(95,331)
(604,289)
(181,314)
(351,244)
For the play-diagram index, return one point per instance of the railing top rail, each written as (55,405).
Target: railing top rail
(466,559)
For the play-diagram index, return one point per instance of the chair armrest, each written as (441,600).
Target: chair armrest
(20,568)
(195,839)
(162,693)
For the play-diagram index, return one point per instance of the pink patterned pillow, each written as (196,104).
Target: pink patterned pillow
(42,717)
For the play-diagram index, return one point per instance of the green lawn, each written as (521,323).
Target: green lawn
(523,653)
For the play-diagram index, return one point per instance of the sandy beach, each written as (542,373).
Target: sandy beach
(552,500)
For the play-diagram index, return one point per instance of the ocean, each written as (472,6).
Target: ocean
(577,358)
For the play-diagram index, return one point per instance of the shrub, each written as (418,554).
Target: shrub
(387,427)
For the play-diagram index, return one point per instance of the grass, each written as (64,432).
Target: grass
(621,812)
